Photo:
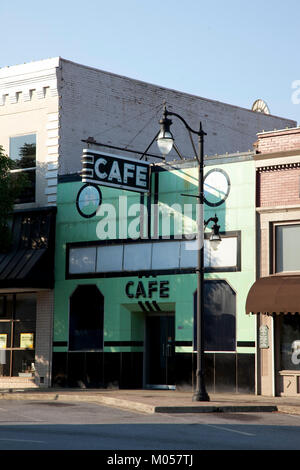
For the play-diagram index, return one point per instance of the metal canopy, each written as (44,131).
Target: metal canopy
(30,262)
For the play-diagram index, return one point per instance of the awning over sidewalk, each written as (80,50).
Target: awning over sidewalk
(278,294)
(30,262)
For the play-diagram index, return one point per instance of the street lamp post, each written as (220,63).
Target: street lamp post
(165,142)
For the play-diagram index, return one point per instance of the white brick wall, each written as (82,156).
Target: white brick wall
(29,104)
(44,335)
(124,112)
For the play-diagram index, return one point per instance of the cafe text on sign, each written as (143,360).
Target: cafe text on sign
(147,289)
(115,171)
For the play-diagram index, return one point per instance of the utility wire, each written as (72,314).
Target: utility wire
(157,107)
(206,118)
(144,127)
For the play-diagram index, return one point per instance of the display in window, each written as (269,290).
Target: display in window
(3,341)
(3,345)
(290,342)
(26,340)
(27,368)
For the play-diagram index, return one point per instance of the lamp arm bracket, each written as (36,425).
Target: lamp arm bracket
(211,219)
(199,133)
(145,152)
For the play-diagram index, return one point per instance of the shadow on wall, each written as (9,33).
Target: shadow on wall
(175,191)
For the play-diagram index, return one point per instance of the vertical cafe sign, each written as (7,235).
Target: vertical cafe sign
(118,172)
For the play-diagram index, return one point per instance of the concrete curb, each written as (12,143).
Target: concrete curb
(293,410)
(216,409)
(138,406)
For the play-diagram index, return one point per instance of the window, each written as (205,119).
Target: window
(22,150)
(86,319)
(219,316)
(166,255)
(17,334)
(287,248)
(137,256)
(109,258)
(289,326)
(82,260)
(226,254)
(159,255)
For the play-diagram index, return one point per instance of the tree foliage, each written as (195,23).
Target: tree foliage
(11,185)
(27,156)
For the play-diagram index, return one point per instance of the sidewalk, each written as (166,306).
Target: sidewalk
(160,401)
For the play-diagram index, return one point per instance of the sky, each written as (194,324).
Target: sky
(234,51)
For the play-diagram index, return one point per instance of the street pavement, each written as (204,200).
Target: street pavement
(58,425)
(160,401)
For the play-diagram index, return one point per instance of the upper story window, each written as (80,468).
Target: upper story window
(287,247)
(108,259)
(22,150)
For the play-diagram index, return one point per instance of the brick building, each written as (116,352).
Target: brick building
(275,295)
(48,107)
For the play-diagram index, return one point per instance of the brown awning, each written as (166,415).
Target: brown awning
(275,294)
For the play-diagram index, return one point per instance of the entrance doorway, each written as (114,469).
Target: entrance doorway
(159,361)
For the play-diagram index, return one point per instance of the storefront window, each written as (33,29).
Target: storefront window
(17,334)
(290,342)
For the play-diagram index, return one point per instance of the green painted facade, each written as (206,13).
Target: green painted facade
(123,320)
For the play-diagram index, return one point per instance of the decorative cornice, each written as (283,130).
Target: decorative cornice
(279,154)
(283,166)
(278,132)
(20,87)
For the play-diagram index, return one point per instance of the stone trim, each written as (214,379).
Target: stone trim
(52,144)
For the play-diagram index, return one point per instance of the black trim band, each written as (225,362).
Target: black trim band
(245,344)
(123,343)
(70,178)
(141,343)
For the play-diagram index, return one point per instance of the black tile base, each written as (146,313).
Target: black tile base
(223,372)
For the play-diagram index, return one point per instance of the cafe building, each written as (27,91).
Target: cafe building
(125,275)
(47,108)
(274,298)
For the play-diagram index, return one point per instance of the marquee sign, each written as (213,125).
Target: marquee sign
(115,171)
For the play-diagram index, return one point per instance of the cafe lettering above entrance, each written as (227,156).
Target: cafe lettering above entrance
(147,289)
(115,171)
